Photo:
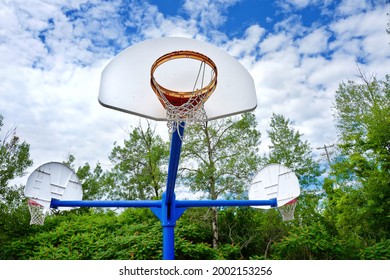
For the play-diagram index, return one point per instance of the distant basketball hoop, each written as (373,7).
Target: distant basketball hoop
(276,181)
(187,104)
(50,180)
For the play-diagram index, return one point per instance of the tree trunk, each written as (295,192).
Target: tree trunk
(215,227)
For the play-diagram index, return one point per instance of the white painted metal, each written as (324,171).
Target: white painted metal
(53,180)
(125,81)
(274,181)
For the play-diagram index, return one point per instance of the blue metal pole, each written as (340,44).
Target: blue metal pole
(174,159)
(169,214)
(216,203)
(55,203)
(168,223)
(168,242)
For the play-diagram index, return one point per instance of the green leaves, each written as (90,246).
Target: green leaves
(219,156)
(362,113)
(288,148)
(14,157)
(309,242)
(14,160)
(140,166)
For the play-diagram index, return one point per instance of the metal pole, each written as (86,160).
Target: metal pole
(168,216)
(218,203)
(168,242)
(174,159)
(55,203)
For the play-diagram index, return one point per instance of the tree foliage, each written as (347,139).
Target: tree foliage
(14,160)
(139,166)
(93,180)
(288,148)
(133,234)
(218,158)
(362,112)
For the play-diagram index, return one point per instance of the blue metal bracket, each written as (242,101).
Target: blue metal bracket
(168,214)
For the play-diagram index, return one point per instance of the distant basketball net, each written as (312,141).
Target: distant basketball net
(186,105)
(288,209)
(37,212)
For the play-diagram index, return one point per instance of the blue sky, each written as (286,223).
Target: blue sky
(297,52)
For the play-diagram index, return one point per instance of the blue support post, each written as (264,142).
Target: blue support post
(174,159)
(169,214)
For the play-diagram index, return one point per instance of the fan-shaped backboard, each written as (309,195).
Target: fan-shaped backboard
(125,81)
(53,180)
(274,181)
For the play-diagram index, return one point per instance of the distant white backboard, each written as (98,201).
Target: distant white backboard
(125,81)
(53,180)
(274,181)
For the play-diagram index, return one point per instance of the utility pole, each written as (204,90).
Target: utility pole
(327,152)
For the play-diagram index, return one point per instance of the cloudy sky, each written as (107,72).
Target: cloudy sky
(52,54)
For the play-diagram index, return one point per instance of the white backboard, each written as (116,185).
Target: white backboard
(53,180)
(125,81)
(274,181)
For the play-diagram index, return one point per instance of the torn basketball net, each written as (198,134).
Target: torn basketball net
(185,106)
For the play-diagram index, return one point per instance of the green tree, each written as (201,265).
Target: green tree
(219,157)
(140,165)
(14,160)
(362,172)
(288,148)
(251,230)
(92,179)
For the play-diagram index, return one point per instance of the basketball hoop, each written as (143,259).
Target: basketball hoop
(37,212)
(288,209)
(185,106)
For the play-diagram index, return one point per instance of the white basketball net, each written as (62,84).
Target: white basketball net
(187,113)
(192,111)
(37,212)
(287,210)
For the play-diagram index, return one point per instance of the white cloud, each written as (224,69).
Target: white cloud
(245,48)
(275,42)
(363,36)
(296,69)
(315,42)
(298,72)
(298,4)
(348,7)
(208,13)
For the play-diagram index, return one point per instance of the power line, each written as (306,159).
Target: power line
(327,152)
